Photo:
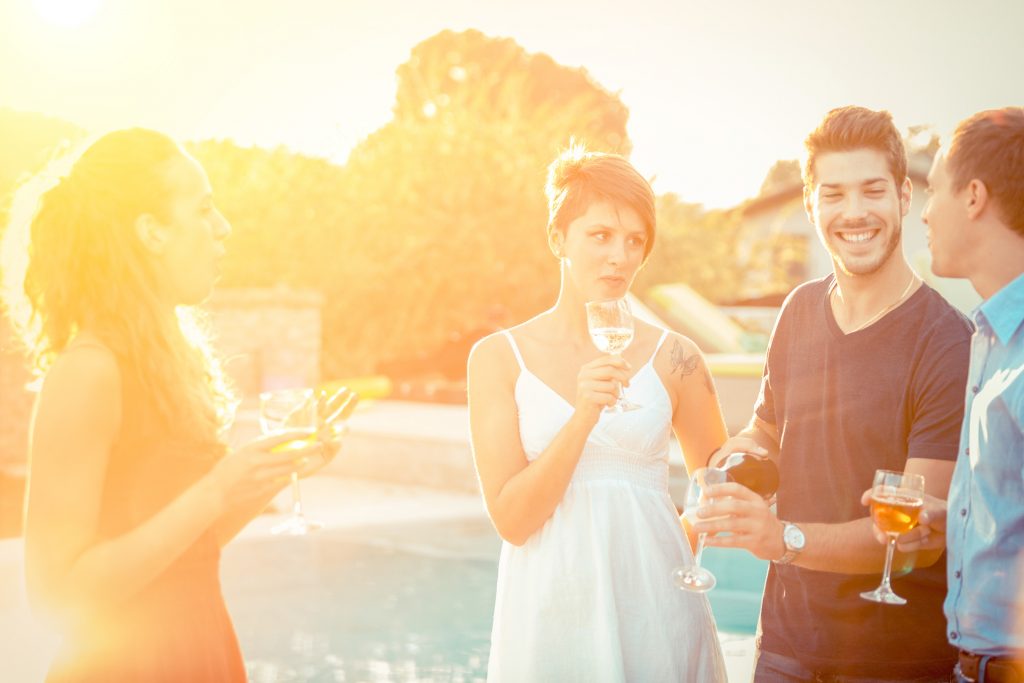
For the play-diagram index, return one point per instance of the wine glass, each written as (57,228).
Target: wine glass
(611,328)
(695,577)
(290,409)
(896,502)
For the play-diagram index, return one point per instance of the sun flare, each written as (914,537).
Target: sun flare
(67,13)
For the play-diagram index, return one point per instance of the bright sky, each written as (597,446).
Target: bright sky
(717,91)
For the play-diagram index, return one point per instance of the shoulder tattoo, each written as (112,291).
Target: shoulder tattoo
(686,365)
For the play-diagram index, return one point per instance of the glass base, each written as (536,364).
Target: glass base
(696,579)
(883,596)
(622,406)
(296,526)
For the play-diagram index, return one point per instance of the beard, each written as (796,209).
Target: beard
(865,265)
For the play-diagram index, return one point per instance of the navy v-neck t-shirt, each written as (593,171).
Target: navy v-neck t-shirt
(846,405)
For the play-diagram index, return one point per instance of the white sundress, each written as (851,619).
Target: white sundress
(589,597)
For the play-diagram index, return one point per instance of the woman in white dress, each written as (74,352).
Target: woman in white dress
(580,496)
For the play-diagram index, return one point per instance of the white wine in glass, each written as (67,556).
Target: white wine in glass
(610,324)
(896,502)
(695,577)
(290,409)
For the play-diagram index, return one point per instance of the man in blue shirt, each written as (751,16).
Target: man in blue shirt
(975,218)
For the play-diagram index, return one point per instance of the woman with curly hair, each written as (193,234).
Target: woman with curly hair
(131,492)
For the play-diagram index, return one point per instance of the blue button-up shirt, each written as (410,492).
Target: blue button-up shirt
(985,523)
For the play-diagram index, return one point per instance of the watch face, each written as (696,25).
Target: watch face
(793,537)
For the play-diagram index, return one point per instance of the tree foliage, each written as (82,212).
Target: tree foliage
(446,200)
(438,216)
(497,80)
(694,246)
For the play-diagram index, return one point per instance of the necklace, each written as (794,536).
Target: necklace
(902,297)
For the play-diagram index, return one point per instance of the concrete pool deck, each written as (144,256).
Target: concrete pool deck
(401,463)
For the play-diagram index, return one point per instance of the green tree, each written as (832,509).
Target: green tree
(693,246)
(497,80)
(288,226)
(445,203)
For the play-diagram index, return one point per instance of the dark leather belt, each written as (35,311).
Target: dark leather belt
(994,669)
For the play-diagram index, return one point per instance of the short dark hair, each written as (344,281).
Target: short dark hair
(578,178)
(989,147)
(849,128)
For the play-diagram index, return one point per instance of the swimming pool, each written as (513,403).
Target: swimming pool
(409,602)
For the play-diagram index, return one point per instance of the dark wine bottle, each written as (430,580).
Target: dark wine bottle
(756,472)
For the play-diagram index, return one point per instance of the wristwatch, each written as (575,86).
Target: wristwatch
(794,540)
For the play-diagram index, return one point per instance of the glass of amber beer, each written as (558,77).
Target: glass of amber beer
(896,502)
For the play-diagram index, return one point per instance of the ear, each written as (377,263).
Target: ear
(809,204)
(151,232)
(906,196)
(977,198)
(556,241)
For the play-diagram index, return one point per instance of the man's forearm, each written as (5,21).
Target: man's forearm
(849,548)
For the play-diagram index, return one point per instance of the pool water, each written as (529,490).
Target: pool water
(736,598)
(408,603)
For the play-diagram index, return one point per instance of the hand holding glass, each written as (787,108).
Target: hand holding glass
(695,577)
(611,328)
(896,502)
(290,409)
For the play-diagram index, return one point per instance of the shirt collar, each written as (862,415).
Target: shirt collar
(1004,310)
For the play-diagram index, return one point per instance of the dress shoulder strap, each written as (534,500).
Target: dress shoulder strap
(515,349)
(661,340)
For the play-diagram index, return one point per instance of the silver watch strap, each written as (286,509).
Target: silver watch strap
(787,557)
(790,553)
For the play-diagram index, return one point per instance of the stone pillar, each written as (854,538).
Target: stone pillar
(269,338)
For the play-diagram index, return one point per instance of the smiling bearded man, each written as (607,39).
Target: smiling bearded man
(866,370)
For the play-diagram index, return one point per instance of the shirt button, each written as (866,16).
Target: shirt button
(967,451)
(975,389)
(963,512)
(953,635)
(956,574)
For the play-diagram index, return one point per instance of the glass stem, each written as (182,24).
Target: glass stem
(700,550)
(296,496)
(622,391)
(886,586)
